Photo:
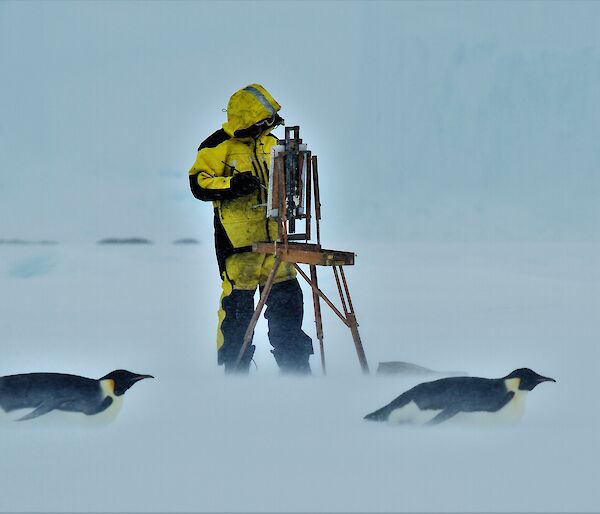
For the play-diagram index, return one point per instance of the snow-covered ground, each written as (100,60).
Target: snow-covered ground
(194,440)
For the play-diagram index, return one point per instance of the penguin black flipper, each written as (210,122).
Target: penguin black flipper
(447,413)
(42,409)
(67,405)
(507,398)
(443,416)
(106,403)
(86,407)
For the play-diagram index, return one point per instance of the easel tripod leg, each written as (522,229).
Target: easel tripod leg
(261,303)
(352,323)
(318,318)
(362,358)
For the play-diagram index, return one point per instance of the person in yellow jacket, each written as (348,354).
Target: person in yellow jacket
(232,171)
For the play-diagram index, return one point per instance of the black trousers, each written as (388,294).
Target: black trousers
(284,313)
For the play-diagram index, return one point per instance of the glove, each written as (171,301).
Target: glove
(244,183)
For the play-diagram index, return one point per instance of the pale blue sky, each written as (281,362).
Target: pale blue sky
(449,120)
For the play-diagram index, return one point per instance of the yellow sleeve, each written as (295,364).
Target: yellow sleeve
(207,175)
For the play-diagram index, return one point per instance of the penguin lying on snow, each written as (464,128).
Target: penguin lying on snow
(468,399)
(71,397)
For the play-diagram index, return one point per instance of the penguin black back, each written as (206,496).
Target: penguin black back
(45,392)
(463,393)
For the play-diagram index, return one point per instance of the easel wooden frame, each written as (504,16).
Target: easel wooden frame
(289,249)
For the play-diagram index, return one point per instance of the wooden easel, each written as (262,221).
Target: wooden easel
(293,183)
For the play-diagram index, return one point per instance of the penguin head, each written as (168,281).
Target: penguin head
(123,380)
(528,378)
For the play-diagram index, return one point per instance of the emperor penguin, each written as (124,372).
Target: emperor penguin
(63,397)
(463,399)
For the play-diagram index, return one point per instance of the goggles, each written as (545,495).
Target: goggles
(269,122)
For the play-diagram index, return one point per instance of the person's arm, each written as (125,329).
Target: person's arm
(208,183)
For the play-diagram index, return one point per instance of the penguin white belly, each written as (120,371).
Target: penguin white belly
(412,415)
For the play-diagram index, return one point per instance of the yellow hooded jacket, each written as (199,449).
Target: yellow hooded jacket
(239,220)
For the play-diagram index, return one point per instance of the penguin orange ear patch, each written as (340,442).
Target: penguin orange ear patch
(512,384)
(108,386)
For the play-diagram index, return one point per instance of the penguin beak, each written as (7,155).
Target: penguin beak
(541,379)
(141,377)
